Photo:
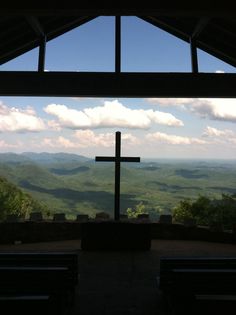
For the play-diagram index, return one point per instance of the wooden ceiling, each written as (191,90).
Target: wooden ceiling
(210,29)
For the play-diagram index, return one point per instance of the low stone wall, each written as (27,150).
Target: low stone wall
(30,232)
(182,232)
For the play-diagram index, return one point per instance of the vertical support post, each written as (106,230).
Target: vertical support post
(42,51)
(118,44)
(194,59)
(117,176)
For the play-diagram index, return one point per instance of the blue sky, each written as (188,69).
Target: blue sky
(160,128)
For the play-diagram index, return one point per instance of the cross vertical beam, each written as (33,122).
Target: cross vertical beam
(117,176)
(117,159)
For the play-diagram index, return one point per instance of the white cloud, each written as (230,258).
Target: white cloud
(167,102)
(130,139)
(19,120)
(111,114)
(223,109)
(220,71)
(220,136)
(54,125)
(70,118)
(160,137)
(5,145)
(215,109)
(60,142)
(213,132)
(87,138)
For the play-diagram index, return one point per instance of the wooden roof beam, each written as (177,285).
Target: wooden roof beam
(111,84)
(162,10)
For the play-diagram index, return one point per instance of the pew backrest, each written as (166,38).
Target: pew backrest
(198,275)
(68,260)
(52,273)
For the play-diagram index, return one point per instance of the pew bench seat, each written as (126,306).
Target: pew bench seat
(185,281)
(27,277)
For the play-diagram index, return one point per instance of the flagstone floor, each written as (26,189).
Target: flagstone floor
(124,283)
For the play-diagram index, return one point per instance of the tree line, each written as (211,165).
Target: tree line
(204,210)
(13,201)
(207,211)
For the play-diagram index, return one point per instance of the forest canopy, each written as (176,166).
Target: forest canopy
(208,211)
(14,201)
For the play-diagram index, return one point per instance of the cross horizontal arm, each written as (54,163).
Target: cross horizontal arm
(113,159)
(130,159)
(105,159)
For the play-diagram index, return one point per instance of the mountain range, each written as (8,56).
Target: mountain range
(75,184)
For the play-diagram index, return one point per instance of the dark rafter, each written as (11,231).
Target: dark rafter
(36,26)
(24,37)
(162,9)
(109,84)
(199,27)
(213,42)
(194,58)
(212,29)
(42,53)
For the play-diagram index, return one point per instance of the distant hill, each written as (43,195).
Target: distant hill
(75,184)
(49,158)
(27,170)
(42,158)
(72,171)
(190,173)
(13,158)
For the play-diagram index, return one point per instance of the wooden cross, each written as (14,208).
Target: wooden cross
(117,159)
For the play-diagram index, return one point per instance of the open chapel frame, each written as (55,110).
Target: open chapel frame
(210,29)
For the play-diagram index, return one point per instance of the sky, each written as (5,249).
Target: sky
(151,128)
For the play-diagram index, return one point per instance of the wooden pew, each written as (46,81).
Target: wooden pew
(186,281)
(28,276)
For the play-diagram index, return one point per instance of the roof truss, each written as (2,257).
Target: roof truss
(207,28)
(108,84)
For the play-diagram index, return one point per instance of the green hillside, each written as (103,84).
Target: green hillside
(14,201)
(76,186)
(48,158)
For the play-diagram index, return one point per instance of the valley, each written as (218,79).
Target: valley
(74,184)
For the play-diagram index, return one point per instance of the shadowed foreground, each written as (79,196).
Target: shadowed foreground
(123,282)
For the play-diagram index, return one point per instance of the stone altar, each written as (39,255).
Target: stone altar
(115,235)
